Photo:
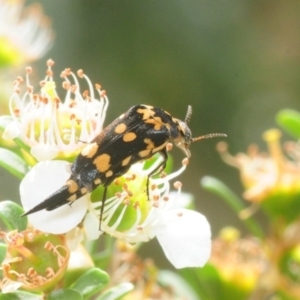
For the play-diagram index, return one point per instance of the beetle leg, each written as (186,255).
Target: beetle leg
(158,169)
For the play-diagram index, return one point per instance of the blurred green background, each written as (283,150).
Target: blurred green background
(237,62)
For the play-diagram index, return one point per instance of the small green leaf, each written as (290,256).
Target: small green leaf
(3,249)
(91,282)
(64,294)
(117,292)
(289,120)
(220,189)
(20,295)
(13,163)
(10,214)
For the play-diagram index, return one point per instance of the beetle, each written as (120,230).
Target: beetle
(136,135)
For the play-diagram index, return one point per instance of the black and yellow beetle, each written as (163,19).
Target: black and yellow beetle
(134,136)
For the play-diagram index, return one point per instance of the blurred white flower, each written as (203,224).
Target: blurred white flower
(129,215)
(53,128)
(25,33)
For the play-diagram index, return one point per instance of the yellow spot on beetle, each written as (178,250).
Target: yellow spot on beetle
(150,144)
(83,191)
(97,181)
(157,149)
(90,150)
(109,173)
(102,162)
(147,112)
(120,128)
(129,137)
(126,161)
(72,198)
(72,186)
(144,153)
(157,122)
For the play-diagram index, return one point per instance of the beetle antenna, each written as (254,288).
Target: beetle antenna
(208,136)
(188,114)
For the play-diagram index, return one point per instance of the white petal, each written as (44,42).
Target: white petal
(179,200)
(12,131)
(74,237)
(185,237)
(91,226)
(80,259)
(43,152)
(41,181)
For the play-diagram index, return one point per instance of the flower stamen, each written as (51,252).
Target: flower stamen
(46,124)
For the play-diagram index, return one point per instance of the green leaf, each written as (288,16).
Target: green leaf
(20,295)
(117,292)
(220,189)
(4,121)
(289,120)
(10,214)
(64,294)
(13,163)
(91,282)
(177,284)
(3,249)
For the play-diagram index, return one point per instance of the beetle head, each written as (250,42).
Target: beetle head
(185,138)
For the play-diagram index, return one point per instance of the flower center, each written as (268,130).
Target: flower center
(132,201)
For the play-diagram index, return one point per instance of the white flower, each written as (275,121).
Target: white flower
(128,215)
(25,34)
(53,128)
